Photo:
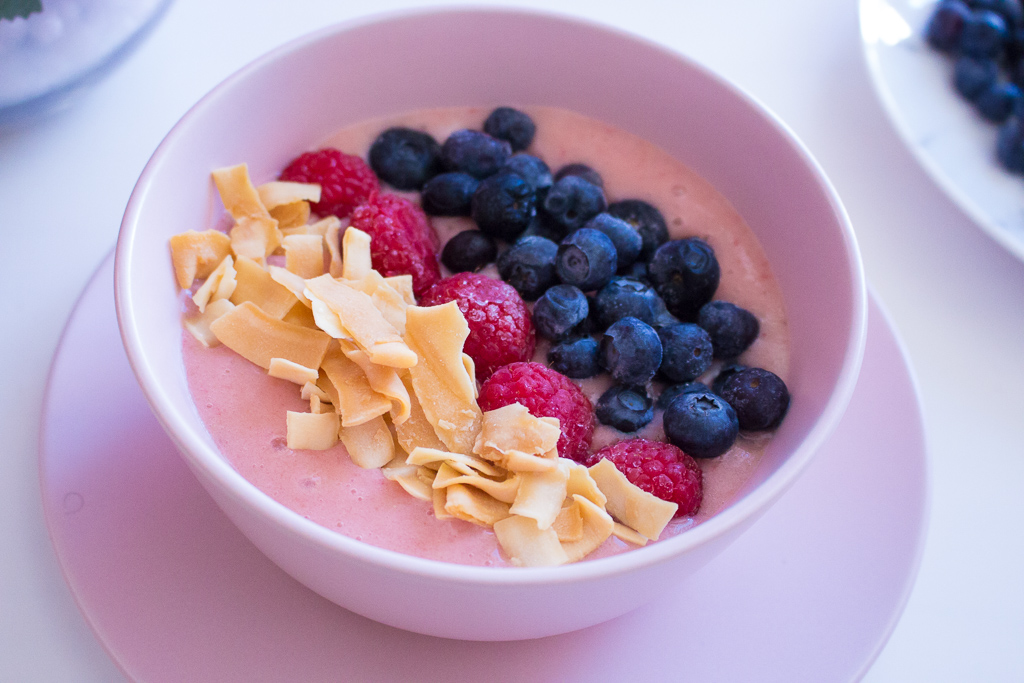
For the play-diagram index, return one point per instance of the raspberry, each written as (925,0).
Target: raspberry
(402,241)
(658,468)
(545,393)
(345,180)
(500,329)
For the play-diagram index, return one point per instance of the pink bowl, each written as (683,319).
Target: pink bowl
(297,95)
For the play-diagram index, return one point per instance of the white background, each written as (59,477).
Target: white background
(956,297)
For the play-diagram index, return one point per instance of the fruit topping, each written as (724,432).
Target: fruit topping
(631,351)
(576,357)
(586,259)
(401,239)
(670,393)
(946,25)
(533,170)
(475,153)
(686,351)
(646,220)
(405,158)
(529,266)
(580,171)
(759,397)
(626,296)
(660,469)
(572,201)
(559,311)
(511,125)
(685,273)
(503,205)
(624,236)
(469,251)
(724,374)
(449,194)
(703,424)
(732,329)
(625,408)
(345,180)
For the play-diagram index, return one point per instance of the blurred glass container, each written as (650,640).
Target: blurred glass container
(50,56)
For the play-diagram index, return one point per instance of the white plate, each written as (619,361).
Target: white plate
(175,592)
(953,143)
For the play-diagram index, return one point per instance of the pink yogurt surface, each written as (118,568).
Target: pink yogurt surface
(244,409)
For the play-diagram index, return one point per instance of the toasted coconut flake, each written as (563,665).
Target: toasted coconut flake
(439,497)
(304,255)
(310,389)
(220,285)
(256,285)
(251,333)
(513,428)
(370,444)
(526,545)
(199,325)
(446,391)
(332,237)
(255,237)
(310,431)
(355,249)
(597,527)
(569,523)
(630,504)
(283,368)
(499,489)
(282,192)
(416,430)
(580,482)
(237,192)
(291,218)
(623,532)
(403,285)
(383,380)
(301,315)
(541,494)
(525,462)
(196,254)
(467,464)
(358,403)
(473,505)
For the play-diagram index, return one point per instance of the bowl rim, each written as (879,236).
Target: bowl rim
(215,470)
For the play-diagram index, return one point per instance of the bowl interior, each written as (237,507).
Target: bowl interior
(296,96)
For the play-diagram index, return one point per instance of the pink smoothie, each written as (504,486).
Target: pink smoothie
(244,409)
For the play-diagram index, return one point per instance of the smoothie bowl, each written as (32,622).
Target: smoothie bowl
(657,128)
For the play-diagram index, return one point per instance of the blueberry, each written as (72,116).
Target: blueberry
(469,251)
(638,271)
(625,408)
(543,226)
(686,352)
(558,311)
(647,221)
(529,266)
(623,297)
(475,153)
(732,329)
(405,158)
(759,397)
(576,357)
(724,374)
(631,351)
(971,76)
(946,25)
(533,170)
(997,102)
(587,259)
(511,125)
(685,273)
(572,201)
(624,236)
(503,205)
(1010,145)
(672,391)
(662,318)
(702,424)
(984,35)
(580,171)
(449,194)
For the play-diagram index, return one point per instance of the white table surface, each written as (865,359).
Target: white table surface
(954,294)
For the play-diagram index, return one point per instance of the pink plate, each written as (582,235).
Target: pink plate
(175,592)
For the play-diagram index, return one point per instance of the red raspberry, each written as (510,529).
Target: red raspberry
(345,180)
(659,468)
(545,393)
(400,239)
(500,329)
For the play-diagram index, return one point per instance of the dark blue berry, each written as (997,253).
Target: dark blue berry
(1010,145)
(631,351)
(724,374)
(731,328)
(580,171)
(686,352)
(623,297)
(469,251)
(662,318)
(759,397)
(475,153)
(533,170)
(511,125)
(576,358)
(405,158)
(529,266)
(586,259)
(672,391)
(702,424)
(624,236)
(998,101)
(572,201)
(646,220)
(971,76)
(946,25)
(685,273)
(503,205)
(449,194)
(558,311)
(984,35)
(625,408)
(543,226)
(638,271)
